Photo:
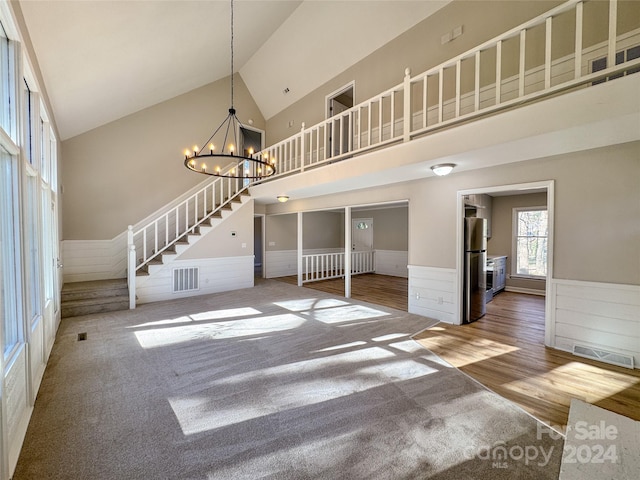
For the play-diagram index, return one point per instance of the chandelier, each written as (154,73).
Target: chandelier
(223,160)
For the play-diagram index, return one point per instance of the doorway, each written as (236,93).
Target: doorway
(510,197)
(338,130)
(361,234)
(251,142)
(258,246)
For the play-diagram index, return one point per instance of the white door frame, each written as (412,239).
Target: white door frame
(549,327)
(349,86)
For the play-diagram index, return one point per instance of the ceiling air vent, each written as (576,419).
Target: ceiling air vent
(603,356)
(186,279)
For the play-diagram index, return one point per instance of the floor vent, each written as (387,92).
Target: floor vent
(603,356)
(186,279)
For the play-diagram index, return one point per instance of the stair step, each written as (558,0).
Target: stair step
(93,289)
(84,298)
(75,308)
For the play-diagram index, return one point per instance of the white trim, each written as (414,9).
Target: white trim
(216,275)
(432,293)
(335,93)
(523,188)
(600,315)
(514,241)
(528,291)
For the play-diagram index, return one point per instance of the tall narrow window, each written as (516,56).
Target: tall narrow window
(530,241)
(7,86)
(32,249)
(9,255)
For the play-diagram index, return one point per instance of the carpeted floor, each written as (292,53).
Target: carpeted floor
(273,382)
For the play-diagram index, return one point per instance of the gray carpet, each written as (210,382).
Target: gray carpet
(272,382)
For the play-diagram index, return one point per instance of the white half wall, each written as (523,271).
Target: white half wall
(433,292)
(392,262)
(215,275)
(284,263)
(87,260)
(601,315)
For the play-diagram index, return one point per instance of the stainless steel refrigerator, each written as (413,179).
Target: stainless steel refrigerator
(475,269)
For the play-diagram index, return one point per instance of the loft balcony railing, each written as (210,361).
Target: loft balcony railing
(525,64)
(501,73)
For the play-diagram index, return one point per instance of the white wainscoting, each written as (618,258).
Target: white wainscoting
(392,262)
(87,260)
(17,406)
(216,275)
(433,293)
(599,315)
(280,263)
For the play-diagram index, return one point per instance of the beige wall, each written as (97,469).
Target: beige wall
(281,232)
(326,229)
(419,49)
(597,204)
(390,227)
(322,230)
(502,232)
(232,238)
(117,174)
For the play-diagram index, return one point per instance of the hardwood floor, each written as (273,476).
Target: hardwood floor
(369,287)
(505,351)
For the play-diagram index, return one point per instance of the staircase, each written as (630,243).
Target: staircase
(172,248)
(99,296)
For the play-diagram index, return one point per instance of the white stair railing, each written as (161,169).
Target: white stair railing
(325,266)
(146,243)
(470,85)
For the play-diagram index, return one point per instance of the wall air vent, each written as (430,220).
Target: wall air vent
(613,358)
(186,279)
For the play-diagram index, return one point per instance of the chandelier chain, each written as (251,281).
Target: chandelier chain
(231,53)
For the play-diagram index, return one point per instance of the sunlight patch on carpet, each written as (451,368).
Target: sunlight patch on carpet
(160,337)
(303,304)
(341,347)
(291,386)
(345,314)
(198,317)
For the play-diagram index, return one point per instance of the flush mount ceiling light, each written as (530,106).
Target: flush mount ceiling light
(282,198)
(443,169)
(225,161)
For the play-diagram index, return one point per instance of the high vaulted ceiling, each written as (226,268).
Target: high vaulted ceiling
(103,59)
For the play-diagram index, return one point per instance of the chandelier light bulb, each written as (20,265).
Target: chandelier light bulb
(204,167)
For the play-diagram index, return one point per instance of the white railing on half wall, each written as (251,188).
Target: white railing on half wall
(175,222)
(486,79)
(498,74)
(325,266)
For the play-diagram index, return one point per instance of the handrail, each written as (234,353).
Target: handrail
(382,120)
(404,112)
(325,266)
(157,236)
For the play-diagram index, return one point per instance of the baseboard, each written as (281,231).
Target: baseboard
(528,291)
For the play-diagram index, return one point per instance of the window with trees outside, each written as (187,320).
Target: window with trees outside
(530,241)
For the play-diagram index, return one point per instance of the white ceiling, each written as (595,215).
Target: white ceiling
(104,59)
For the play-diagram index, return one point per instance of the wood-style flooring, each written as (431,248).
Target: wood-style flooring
(505,351)
(369,287)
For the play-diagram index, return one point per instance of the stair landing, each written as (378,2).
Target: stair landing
(98,296)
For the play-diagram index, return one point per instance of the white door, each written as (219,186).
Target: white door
(361,234)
